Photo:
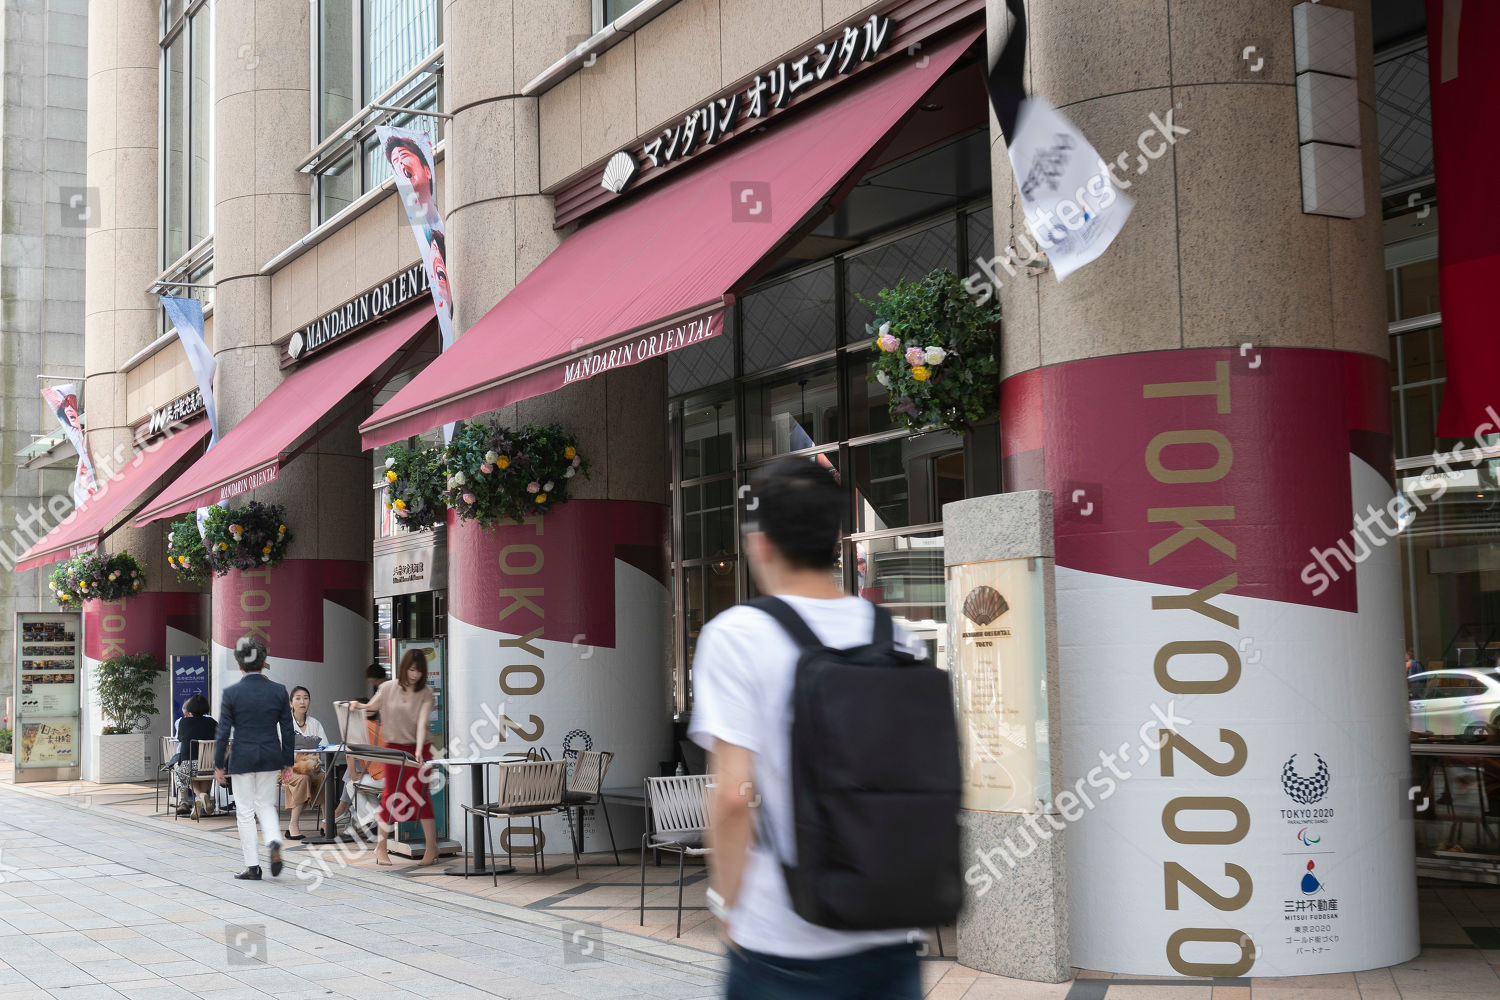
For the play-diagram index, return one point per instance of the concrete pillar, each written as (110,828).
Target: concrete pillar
(583,658)
(1208,403)
(1002,649)
(314,610)
(120,318)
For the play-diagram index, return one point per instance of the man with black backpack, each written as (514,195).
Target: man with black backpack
(833,817)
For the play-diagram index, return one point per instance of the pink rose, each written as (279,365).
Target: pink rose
(577,461)
(469,499)
(915,356)
(486,468)
(533,487)
(889,344)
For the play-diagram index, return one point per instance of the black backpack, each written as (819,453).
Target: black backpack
(876,783)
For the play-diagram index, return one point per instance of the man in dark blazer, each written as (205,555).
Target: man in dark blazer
(257,713)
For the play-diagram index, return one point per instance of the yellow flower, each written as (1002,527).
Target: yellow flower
(570,452)
(400,504)
(267,550)
(84,584)
(390,476)
(541,498)
(282,528)
(502,462)
(64,597)
(222,546)
(921,373)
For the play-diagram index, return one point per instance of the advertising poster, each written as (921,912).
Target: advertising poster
(996,615)
(47,690)
(62,399)
(433,650)
(410,156)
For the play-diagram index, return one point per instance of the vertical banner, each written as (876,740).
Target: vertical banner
(63,399)
(1464,79)
(187,316)
(410,156)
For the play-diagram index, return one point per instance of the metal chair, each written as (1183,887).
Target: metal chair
(168,751)
(527,790)
(199,762)
(679,822)
(585,785)
(365,754)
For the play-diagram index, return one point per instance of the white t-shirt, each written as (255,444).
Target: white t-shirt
(743,671)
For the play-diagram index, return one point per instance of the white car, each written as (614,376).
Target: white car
(1455,702)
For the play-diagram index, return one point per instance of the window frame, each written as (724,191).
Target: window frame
(349,138)
(169,33)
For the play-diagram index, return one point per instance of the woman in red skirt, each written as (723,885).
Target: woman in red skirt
(406,705)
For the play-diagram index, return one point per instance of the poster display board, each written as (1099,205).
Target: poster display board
(189,678)
(998,660)
(48,685)
(436,729)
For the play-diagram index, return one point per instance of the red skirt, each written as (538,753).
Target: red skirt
(404,797)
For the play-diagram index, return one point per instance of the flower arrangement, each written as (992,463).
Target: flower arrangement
(247,537)
(95,575)
(935,351)
(415,481)
(186,552)
(495,472)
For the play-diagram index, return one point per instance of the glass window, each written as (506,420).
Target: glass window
(869,402)
(707,439)
(791,412)
(708,520)
(186,128)
(904,573)
(364,49)
(911,258)
(607,11)
(981,235)
(905,481)
(789,320)
(1419,289)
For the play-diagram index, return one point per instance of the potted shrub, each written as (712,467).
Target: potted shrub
(126,689)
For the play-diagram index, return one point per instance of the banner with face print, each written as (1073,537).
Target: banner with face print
(62,399)
(410,156)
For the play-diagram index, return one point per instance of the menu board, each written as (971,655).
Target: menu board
(997,644)
(48,678)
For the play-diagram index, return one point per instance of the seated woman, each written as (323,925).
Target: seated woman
(307,773)
(195,726)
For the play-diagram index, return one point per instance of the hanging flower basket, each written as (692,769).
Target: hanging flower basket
(186,553)
(248,537)
(415,481)
(96,576)
(496,473)
(935,348)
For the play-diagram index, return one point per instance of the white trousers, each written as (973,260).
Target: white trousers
(255,799)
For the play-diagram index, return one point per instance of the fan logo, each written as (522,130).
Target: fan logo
(984,605)
(1305,790)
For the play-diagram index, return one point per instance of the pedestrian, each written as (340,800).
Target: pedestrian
(1412,666)
(307,772)
(743,673)
(196,726)
(406,705)
(256,713)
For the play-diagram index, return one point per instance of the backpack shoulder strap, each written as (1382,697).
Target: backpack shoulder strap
(885,627)
(788,619)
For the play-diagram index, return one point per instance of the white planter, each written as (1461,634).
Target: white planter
(119,758)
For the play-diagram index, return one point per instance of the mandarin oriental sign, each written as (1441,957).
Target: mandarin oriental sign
(164,418)
(363,310)
(644,348)
(767,95)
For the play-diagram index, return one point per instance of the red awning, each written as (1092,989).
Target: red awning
(253,451)
(118,497)
(653,276)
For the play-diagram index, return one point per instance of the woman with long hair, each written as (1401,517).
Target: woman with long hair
(406,704)
(307,772)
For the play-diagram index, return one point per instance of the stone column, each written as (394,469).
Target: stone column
(313,611)
(121,318)
(1208,403)
(577,603)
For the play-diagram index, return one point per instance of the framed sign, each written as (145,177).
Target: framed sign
(998,659)
(49,681)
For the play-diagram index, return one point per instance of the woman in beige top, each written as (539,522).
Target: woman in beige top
(405,704)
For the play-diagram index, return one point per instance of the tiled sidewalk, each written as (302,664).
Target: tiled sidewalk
(141,905)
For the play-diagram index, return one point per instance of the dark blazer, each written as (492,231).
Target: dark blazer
(257,713)
(194,729)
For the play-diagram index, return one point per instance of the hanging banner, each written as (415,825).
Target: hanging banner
(1464,80)
(411,159)
(187,316)
(63,399)
(1069,196)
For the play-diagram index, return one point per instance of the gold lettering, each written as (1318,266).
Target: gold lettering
(1218,388)
(1212,474)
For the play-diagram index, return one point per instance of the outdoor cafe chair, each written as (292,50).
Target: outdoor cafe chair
(168,749)
(679,822)
(585,787)
(365,754)
(527,790)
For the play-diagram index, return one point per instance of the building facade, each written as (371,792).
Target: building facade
(668,223)
(46,215)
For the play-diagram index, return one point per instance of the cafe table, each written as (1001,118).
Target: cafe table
(328,754)
(478,795)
